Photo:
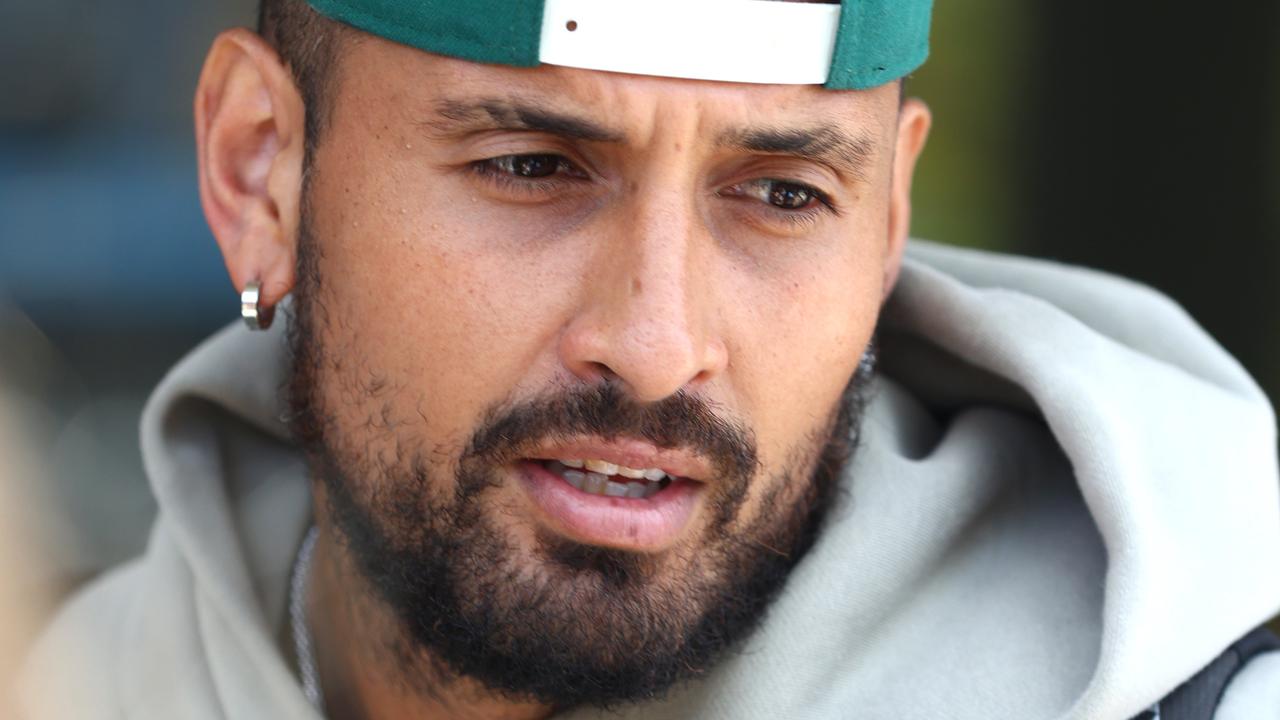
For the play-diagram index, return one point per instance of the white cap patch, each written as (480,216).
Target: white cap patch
(755,41)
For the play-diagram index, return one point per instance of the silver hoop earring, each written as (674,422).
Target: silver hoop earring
(256,317)
(867,365)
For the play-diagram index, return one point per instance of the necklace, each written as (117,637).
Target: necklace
(298,622)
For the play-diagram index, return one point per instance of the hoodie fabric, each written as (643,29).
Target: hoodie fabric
(1065,503)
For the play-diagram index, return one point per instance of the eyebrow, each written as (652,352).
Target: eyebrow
(456,117)
(824,143)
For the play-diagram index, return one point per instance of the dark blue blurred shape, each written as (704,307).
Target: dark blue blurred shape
(107,230)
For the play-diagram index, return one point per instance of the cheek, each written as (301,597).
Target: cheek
(419,304)
(808,335)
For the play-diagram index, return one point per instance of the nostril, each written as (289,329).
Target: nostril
(603,371)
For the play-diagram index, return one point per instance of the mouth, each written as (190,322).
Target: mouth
(599,502)
(597,477)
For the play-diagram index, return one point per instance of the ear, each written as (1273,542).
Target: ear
(914,120)
(250,137)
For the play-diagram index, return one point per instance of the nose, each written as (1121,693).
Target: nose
(648,317)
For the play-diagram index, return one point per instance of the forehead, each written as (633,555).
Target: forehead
(374,71)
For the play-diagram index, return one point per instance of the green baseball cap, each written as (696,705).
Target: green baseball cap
(854,45)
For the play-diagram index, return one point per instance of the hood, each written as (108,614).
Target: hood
(1065,502)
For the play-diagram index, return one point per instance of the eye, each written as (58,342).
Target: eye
(530,166)
(781,194)
(533,166)
(790,197)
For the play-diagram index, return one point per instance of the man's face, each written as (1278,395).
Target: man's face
(506,273)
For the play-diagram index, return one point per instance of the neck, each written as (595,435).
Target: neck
(361,668)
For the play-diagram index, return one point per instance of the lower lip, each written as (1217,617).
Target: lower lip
(642,524)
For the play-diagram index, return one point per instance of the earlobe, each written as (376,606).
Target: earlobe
(250,138)
(914,121)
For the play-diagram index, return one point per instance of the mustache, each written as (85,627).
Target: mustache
(681,421)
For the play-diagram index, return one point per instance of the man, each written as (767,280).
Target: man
(611,387)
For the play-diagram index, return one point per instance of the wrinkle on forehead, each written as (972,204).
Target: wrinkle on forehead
(844,129)
(455,115)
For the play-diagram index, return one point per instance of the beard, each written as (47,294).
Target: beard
(564,624)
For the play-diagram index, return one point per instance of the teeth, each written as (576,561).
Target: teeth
(602,467)
(608,479)
(595,483)
(608,468)
(575,478)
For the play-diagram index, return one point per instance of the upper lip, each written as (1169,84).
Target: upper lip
(637,454)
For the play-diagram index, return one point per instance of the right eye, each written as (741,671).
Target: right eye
(540,165)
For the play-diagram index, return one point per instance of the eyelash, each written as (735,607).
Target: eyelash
(802,218)
(531,186)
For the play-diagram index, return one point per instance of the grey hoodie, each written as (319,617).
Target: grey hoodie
(1066,502)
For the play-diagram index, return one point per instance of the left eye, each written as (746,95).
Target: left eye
(779,193)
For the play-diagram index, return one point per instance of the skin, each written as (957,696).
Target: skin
(654,263)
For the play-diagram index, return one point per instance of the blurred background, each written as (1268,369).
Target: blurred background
(1108,134)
